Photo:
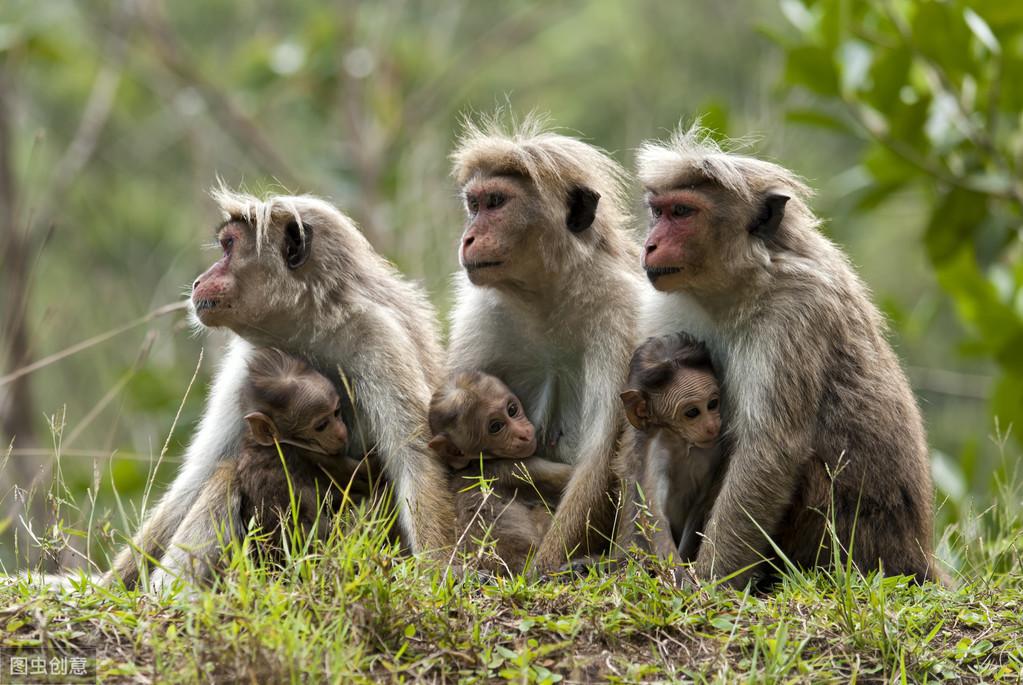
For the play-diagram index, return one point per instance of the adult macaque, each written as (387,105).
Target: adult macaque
(297,274)
(673,402)
(547,302)
(481,430)
(821,421)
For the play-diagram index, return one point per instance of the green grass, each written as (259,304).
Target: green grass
(355,609)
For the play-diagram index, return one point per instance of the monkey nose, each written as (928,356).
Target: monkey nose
(468,241)
(196,284)
(650,247)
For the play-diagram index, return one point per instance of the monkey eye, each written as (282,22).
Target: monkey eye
(656,211)
(321,426)
(692,413)
(495,200)
(226,243)
(472,204)
(495,427)
(713,404)
(513,409)
(681,210)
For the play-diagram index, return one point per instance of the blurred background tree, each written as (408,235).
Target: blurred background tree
(117,116)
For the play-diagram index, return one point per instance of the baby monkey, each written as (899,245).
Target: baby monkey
(287,401)
(480,429)
(673,402)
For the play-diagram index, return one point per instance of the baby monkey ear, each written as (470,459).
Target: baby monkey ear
(442,445)
(262,428)
(636,410)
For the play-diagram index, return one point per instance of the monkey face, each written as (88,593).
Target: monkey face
(214,292)
(302,410)
(477,413)
(704,239)
(500,210)
(688,405)
(675,254)
(512,229)
(506,430)
(246,287)
(319,421)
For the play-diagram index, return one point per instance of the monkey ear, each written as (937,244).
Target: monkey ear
(771,213)
(262,428)
(635,409)
(582,208)
(297,244)
(442,445)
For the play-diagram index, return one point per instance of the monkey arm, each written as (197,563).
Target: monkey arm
(586,504)
(771,441)
(219,435)
(645,486)
(393,399)
(533,475)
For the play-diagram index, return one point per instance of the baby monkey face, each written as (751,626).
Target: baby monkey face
(688,404)
(691,406)
(476,413)
(505,429)
(319,425)
(301,409)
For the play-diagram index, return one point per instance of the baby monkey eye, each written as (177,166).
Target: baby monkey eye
(472,204)
(692,413)
(681,210)
(656,211)
(495,427)
(321,426)
(226,243)
(713,404)
(513,409)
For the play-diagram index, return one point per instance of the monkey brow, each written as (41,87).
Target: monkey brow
(227,222)
(508,173)
(683,183)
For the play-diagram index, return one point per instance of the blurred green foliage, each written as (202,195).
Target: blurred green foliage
(122,113)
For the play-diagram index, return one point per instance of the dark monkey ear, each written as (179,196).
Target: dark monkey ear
(297,244)
(771,213)
(582,209)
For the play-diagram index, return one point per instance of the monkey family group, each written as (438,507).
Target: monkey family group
(715,393)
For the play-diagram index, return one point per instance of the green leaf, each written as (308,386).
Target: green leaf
(813,68)
(889,74)
(953,223)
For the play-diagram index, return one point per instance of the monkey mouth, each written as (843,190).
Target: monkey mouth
(205,304)
(655,272)
(476,266)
